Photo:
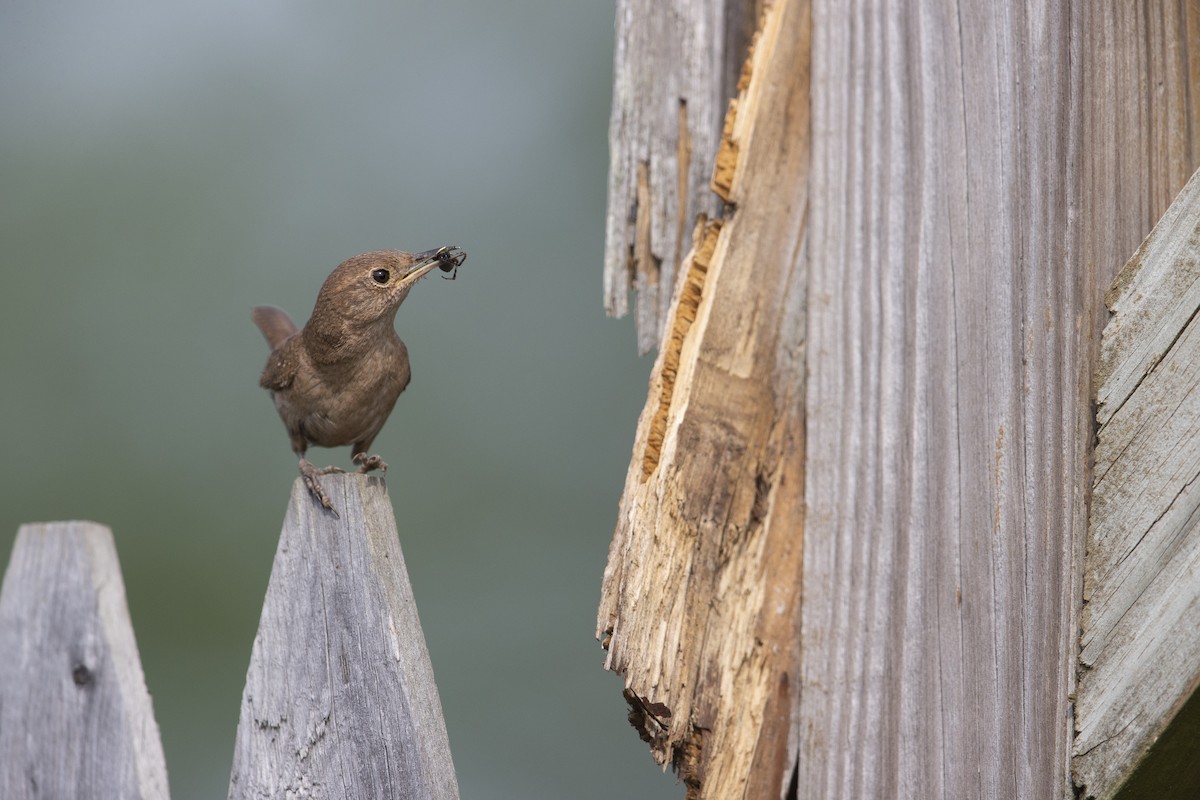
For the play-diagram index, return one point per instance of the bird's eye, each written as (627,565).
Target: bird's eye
(380,275)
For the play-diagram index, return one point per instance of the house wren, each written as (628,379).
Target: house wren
(335,380)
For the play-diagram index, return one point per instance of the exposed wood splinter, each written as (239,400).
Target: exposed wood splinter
(684,314)
(675,68)
(700,599)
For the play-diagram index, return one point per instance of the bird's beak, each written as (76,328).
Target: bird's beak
(446,258)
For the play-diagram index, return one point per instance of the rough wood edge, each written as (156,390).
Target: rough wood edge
(1140,633)
(674,70)
(683,314)
(1129,352)
(700,598)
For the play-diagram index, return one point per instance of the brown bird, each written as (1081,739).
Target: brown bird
(335,380)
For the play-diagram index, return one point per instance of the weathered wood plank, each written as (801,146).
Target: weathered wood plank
(1141,619)
(699,600)
(976,171)
(75,717)
(675,69)
(340,699)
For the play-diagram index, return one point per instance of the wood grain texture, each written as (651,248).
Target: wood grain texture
(340,700)
(675,69)
(75,717)
(979,174)
(1141,619)
(699,602)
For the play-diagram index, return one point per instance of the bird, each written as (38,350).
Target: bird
(335,381)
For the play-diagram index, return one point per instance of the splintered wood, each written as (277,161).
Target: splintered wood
(1141,619)
(674,71)
(700,598)
(850,549)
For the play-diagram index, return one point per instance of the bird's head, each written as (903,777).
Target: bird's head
(368,288)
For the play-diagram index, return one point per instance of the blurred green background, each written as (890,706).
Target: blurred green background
(165,166)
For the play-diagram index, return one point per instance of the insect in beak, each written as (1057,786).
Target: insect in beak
(450,258)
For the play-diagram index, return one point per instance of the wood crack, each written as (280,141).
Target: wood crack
(690,294)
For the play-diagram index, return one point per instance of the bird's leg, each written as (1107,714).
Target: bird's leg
(312,481)
(367,463)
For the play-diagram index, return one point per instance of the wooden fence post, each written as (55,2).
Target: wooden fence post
(848,559)
(340,699)
(75,717)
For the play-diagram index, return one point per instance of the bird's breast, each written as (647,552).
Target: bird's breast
(343,403)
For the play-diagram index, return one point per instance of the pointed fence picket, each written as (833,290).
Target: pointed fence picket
(339,701)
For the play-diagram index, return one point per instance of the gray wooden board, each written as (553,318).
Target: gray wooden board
(980,172)
(75,718)
(340,700)
(1141,622)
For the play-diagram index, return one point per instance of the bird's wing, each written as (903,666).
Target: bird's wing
(274,323)
(280,370)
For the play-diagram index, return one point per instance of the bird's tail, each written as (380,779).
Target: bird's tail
(274,323)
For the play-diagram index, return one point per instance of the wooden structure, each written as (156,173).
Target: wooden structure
(340,699)
(340,691)
(849,556)
(673,75)
(699,596)
(75,717)
(1141,618)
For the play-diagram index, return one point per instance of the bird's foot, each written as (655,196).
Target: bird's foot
(367,463)
(312,481)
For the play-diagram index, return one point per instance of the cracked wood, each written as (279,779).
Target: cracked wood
(978,176)
(699,600)
(674,71)
(1141,619)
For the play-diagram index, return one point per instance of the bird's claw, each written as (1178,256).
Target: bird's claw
(318,494)
(368,463)
(312,482)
